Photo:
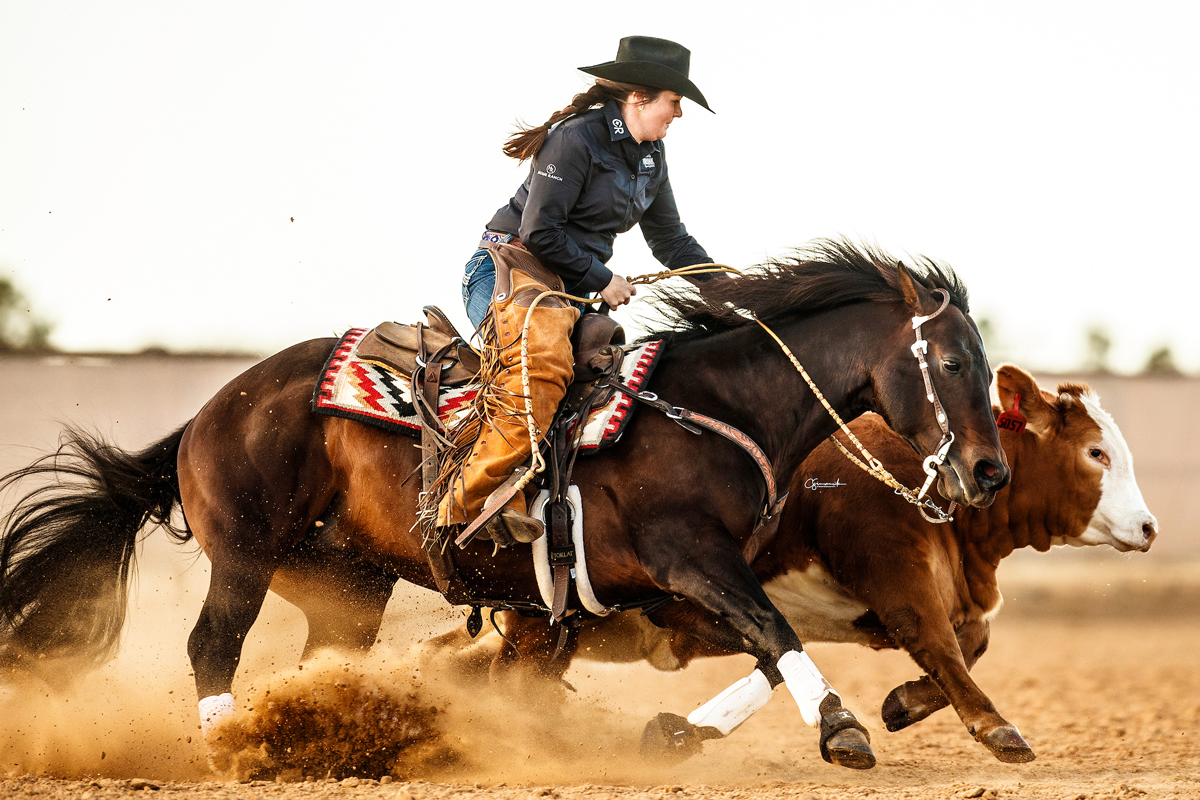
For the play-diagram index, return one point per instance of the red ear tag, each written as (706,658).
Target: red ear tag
(1012,420)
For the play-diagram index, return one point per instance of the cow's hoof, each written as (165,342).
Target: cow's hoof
(894,712)
(902,707)
(670,738)
(1006,744)
(845,742)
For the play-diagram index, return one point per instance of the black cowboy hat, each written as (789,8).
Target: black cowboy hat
(647,61)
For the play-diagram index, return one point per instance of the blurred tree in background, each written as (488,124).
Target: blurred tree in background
(20,331)
(1099,343)
(1161,362)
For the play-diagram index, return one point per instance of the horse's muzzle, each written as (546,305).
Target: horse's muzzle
(986,477)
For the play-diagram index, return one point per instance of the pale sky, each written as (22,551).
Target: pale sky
(153,156)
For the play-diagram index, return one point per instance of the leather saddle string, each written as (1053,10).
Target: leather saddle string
(424,392)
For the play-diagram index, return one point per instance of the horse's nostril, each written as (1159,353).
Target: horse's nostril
(989,475)
(1148,531)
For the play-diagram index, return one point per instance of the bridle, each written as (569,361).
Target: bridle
(871,465)
(931,463)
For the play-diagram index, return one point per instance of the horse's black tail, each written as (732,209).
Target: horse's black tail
(69,546)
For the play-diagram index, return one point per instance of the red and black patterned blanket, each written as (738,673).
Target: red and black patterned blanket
(370,392)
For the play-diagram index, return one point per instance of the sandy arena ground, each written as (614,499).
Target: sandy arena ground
(1095,663)
(1093,657)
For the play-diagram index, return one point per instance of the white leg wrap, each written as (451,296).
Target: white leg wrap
(805,682)
(214,710)
(735,705)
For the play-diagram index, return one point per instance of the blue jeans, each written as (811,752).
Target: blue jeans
(479,279)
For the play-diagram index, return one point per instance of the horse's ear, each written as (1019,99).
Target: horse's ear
(915,295)
(1034,405)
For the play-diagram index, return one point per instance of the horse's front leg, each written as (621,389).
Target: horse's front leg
(729,610)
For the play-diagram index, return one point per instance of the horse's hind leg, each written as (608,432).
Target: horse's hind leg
(236,592)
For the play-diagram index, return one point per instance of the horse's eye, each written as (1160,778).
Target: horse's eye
(951,366)
(1096,453)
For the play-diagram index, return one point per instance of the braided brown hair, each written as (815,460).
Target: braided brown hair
(526,142)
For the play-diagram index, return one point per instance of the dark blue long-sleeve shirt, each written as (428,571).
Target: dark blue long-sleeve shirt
(590,181)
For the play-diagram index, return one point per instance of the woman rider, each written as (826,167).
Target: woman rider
(598,168)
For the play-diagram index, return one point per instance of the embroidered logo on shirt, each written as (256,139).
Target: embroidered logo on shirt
(618,126)
(549,173)
(648,162)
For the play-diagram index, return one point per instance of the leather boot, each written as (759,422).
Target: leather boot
(503,444)
(507,525)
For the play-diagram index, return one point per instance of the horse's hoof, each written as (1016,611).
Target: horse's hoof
(1006,744)
(850,749)
(670,738)
(845,742)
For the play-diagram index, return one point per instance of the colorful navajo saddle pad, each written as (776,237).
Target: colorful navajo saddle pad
(369,392)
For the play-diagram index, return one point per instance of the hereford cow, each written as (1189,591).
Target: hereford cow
(853,562)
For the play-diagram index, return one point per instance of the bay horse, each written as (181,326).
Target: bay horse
(831,568)
(321,510)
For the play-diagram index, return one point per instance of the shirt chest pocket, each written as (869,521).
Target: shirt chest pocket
(607,195)
(615,195)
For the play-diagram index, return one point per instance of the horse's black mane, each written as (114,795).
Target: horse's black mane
(823,275)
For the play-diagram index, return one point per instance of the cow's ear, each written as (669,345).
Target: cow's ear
(1035,405)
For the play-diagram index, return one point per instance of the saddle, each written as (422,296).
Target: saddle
(404,348)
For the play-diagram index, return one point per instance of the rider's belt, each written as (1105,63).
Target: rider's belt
(496,237)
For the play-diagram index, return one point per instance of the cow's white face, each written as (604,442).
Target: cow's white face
(1121,519)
